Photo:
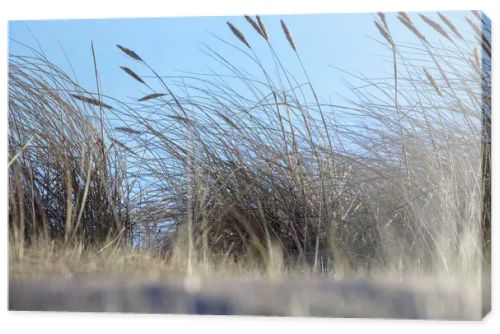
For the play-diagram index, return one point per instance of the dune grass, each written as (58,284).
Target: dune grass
(250,170)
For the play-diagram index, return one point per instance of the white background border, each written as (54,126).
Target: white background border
(51,322)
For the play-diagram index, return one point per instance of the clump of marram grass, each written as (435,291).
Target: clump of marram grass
(242,169)
(232,178)
(230,191)
(65,179)
(441,133)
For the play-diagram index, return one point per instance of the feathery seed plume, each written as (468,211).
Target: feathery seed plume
(432,82)
(132,74)
(384,33)
(91,100)
(238,34)
(434,25)
(450,25)
(288,35)
(129,52)
(262,28)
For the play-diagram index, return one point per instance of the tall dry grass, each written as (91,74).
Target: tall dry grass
(250,165)
(66,175)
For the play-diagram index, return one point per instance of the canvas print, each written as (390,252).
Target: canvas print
(319,165)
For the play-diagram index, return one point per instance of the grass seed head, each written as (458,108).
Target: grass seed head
(433,82)
(129,53)
(262,28)
(405,19)
(91,100)
(132,74)
(384,33)
(436,26)
(450,25)
(151,97)
(288,35)
(238,34)
(254,25)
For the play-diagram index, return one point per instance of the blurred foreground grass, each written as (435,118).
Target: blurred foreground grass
(58,278)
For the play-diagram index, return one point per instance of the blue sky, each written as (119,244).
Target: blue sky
(174,45)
